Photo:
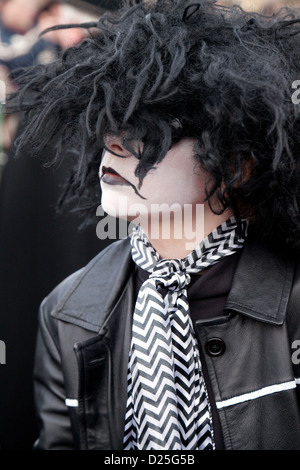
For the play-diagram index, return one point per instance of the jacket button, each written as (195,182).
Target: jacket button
(215,346)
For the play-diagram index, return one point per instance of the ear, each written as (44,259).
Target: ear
(246,168)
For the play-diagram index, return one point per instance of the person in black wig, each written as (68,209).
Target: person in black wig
(173,342)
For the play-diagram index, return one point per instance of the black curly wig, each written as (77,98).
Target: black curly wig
(158,71)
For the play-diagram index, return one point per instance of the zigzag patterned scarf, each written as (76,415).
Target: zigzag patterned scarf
(167,406)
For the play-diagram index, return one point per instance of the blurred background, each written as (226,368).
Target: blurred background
(38,248)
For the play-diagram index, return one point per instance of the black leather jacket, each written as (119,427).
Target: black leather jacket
(251,354)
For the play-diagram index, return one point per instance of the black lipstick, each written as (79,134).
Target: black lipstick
(110,176)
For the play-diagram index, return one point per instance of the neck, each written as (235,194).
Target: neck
(175,236)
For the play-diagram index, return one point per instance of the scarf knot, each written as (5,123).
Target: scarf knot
(170,274)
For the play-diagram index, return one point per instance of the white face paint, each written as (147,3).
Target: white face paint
(177,180)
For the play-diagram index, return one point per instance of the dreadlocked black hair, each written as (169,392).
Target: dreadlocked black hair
(160,71)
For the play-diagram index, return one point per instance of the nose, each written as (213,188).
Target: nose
(115,145)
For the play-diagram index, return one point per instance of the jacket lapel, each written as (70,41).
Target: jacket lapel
(262,283)
(96,289)
(102,366)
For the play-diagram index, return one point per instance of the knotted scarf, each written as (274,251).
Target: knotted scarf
(168,406)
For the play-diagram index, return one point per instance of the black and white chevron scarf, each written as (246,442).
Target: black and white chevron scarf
(167,406)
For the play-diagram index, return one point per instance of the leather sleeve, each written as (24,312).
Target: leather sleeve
(53,417)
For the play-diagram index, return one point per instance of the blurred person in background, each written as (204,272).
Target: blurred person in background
(21,23)
(19,45)
(266,7)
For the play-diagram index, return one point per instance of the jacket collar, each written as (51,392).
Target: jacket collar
(261,286)
(97,288)
(262,283)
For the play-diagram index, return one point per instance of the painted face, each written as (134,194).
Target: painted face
(176,181)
